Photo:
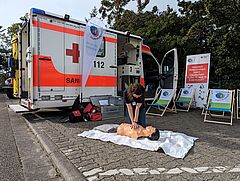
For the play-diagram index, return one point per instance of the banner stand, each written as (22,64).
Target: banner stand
(93,36)
(197,76)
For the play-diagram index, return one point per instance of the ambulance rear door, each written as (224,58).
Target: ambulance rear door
(50,68)
(169,70)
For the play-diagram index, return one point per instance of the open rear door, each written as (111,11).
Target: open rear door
(151,69)
(164,75)
(169,70)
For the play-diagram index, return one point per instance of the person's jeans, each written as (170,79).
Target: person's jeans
(141,117)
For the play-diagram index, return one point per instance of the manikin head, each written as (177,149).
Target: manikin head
(153,132)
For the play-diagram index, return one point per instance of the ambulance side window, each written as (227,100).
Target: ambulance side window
(102,49)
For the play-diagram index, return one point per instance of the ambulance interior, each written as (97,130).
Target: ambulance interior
(128,69)
(129,66)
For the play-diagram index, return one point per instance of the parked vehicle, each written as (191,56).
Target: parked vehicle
(50,50)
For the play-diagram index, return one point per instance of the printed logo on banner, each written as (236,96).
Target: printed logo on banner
(96,32)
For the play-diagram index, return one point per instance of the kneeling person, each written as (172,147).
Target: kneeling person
(149,132)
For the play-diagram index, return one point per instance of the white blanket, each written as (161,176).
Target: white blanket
(173,144)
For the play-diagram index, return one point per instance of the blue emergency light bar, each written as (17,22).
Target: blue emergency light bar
(38,11)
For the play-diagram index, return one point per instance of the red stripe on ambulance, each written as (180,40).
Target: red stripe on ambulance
(66,30)
(49,76)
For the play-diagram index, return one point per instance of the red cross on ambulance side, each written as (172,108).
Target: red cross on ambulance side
(74,52)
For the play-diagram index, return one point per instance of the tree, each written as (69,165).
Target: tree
(203,26)
(5,42)
(112,9)
(225,41)
(4,50)
(94,12)
(212,26)
(5,47)
(141,5)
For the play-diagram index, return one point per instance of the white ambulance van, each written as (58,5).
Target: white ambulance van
(50,62)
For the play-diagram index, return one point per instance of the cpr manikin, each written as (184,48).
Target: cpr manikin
(126,129)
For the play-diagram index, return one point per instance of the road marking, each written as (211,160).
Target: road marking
(201,169)
(189,170)
(126,171)
(141,171)
(235,170)
(161,169)
(174,171)
(92,178)
(92,172)
(110,172)
(96,172)
(222,168)
(154,172)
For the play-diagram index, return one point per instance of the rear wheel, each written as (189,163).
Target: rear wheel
(9,93)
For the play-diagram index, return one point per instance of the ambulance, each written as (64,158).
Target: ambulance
(50,49)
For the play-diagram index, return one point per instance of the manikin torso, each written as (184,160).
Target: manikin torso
(125,129)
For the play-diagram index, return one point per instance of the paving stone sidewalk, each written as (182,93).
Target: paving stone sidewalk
(36,164)
(215,156)
(33,161)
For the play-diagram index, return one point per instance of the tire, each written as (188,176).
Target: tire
(9,93)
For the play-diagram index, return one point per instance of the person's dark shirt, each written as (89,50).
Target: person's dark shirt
(134,101)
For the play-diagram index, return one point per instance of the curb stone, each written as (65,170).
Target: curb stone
(66,168)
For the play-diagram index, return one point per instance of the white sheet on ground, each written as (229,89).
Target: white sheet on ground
(173,144)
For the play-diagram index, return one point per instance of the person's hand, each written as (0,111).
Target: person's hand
(134,125)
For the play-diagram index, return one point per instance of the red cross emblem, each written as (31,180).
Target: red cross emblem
(74,52)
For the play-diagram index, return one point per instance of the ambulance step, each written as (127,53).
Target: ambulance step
(18,108)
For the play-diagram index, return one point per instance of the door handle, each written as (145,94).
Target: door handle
(45,58)
(113,66)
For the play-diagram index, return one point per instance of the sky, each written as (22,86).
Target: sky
(12,10)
